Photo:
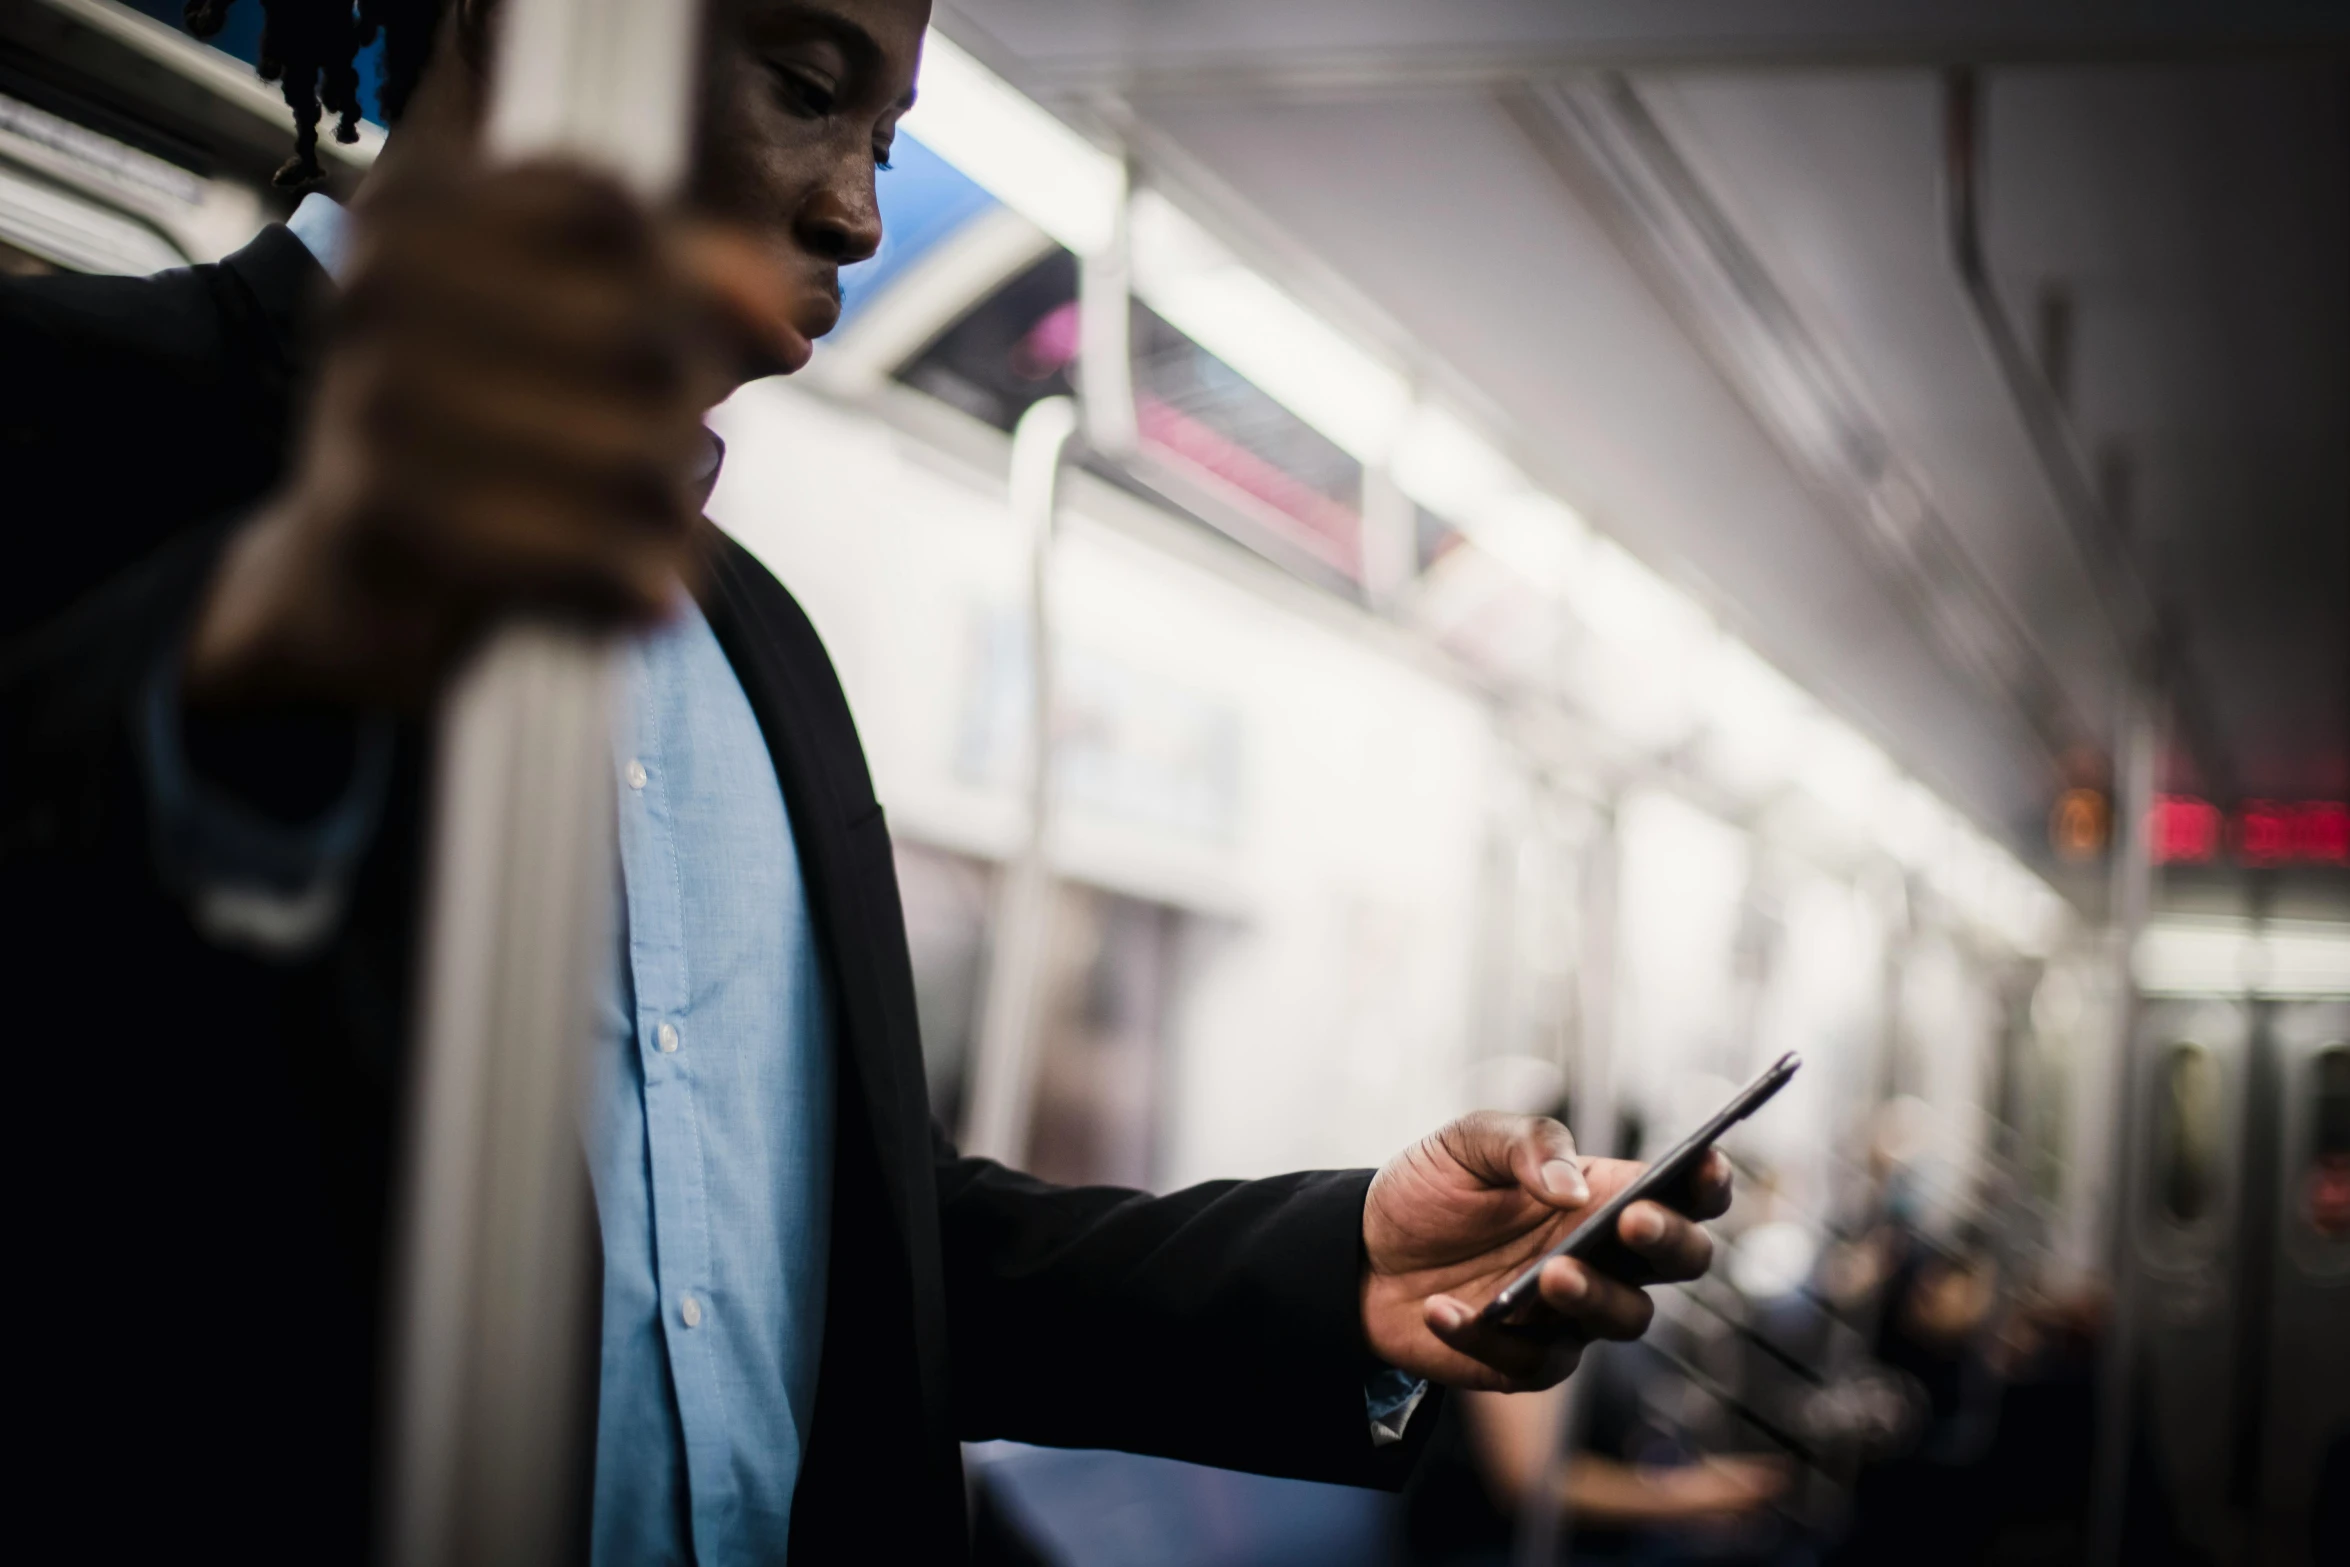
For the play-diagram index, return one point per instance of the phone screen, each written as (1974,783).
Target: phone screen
(1595,1241)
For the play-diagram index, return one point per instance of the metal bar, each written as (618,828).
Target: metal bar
(483,1456)
(2145,632)
(1613,155)
(2133,874)
(1002,1074)
(1704,1382)
(1753,1335)
(1545,1527)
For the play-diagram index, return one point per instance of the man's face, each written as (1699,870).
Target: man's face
(808,98)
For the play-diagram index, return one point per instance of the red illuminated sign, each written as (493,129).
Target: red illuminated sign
(2183,830)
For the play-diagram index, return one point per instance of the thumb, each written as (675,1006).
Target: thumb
(1532,1152)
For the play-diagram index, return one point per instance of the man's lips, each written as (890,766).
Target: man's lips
(816,314)
(793,348)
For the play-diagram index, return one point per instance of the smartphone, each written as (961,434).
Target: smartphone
(1595,1242)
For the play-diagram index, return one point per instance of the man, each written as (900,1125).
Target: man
(277,501)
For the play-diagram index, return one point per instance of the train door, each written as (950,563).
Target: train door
(2305,1350)
(2184,1228)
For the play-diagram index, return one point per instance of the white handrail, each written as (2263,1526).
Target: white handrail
(485,1462)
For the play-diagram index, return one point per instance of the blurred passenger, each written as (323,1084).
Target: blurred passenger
(262,510)
(1635,1490)
(1998,1466)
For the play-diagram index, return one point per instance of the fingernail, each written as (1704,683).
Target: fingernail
(1642,1226)
(1576,1283)
(1563,1181)
(1450,1315)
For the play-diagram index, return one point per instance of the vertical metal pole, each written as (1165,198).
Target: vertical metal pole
(2133,873)
(1389,548)
(485,1434)
(1023,911)
(1545,1527)
(1105,342)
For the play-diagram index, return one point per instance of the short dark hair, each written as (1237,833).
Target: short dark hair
(310,48)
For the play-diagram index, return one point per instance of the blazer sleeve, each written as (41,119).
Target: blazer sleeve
(1221,1324)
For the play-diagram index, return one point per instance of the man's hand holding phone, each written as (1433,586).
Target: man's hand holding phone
(1456,1217)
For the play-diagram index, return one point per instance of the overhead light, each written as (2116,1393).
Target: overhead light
(1844,772)
(1643,666)
(1451,469)
(1540,538)
(1755,719)
(1004,141)
(1917,829)
(2218,956)
(1286,350)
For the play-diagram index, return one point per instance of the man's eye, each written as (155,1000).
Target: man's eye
(801,93)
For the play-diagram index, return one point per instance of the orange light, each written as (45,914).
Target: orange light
(2077,826)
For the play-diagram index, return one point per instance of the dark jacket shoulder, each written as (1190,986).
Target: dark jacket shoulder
(133,408)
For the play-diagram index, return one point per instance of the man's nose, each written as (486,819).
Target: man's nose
(838,228)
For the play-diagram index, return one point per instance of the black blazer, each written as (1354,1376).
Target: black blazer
(202,1137)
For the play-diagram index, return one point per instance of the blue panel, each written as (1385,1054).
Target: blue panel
(924,199)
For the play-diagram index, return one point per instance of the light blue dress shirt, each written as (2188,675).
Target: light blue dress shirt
(711,1134)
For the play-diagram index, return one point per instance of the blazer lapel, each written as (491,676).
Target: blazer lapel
(835,821)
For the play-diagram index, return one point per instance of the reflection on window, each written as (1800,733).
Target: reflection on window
(2187,1128)
(1109,970)
(1017,347)
(947,899)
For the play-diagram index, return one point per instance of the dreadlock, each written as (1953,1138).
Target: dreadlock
(310,48)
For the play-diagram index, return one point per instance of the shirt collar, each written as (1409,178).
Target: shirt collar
(323,226)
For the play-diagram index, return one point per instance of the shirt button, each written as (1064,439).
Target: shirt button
(690,1310)
(636,773)
(667,1035)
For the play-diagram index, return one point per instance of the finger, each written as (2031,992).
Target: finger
(633,337)
(496,543)
(529,418)
(1498,1358)
(1592,1304)
(1534,1153)
(1674,1247)
(559,212)
(1709,1187)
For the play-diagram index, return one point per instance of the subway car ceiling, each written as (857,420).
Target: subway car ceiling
(1711,305)
(1706,284)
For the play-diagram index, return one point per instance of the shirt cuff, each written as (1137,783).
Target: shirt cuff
(251,879)
(1389,1397)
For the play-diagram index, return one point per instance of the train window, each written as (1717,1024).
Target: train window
(2327,1198)
(1016,347)
(2187,1132)
(1258,464)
